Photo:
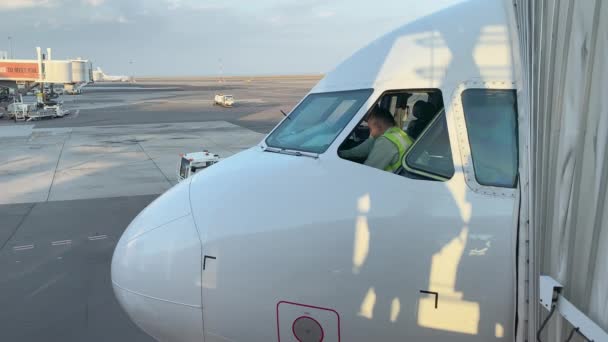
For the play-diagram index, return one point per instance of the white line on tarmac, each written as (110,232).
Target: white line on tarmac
(97,237)
(46,285)
(74,115)
(23,248)
(62,242)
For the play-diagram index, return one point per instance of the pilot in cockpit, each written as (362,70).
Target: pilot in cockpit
(387,144)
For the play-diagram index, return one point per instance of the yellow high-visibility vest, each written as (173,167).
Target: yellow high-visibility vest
(402,141)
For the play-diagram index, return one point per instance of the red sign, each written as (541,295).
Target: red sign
(19,70)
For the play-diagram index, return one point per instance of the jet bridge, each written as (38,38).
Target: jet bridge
(563,218)
(44,69)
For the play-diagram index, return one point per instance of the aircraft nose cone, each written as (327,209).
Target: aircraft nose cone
(156,269)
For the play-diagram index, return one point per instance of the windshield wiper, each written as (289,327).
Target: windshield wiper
(291,152)
(285,114)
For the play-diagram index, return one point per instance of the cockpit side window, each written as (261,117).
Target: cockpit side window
(491,120)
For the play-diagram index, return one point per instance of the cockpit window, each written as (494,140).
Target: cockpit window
(491,119)
(317,121)
(431,156)
(394,125)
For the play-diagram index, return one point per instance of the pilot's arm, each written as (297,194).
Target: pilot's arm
(360,151)
(383,154)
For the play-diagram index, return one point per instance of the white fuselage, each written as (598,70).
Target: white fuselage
(359,253)
(107,78)
(100,76)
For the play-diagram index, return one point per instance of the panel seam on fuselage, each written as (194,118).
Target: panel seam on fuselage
(159,226)
(155,298)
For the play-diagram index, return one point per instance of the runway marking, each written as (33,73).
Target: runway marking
(97,237)
(62,242)
(46,285)
(74,115)
(23,248)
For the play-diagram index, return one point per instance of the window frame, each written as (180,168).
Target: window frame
(376,100)
(463,137)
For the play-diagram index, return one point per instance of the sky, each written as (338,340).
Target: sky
(202,37)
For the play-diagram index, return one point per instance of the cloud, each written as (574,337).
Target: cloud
(100,18)
(94,3)
(326,14)
(21,4)
(266,36)
(276,19)
(194,5)
(174,4)
(205,7)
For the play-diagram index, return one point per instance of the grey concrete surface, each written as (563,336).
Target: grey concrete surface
(258,101)
(108,161)
(54,281)
(63,181)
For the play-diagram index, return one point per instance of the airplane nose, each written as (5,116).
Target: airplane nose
(156,269)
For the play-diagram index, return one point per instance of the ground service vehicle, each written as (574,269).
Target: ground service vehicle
(224,100)
(190,163)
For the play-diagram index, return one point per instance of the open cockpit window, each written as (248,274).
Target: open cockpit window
(314,124)
(395,124)
(431,155)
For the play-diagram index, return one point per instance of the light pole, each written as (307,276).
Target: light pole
(131,73)
(221,80)
(10,47)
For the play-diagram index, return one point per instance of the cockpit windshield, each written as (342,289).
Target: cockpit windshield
(317,121)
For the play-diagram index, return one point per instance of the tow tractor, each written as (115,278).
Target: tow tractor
(191,163)
(224,100)
(44,103)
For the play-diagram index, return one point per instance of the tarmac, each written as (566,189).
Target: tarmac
(70,186)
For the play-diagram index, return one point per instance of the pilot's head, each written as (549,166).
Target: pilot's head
(379,121)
